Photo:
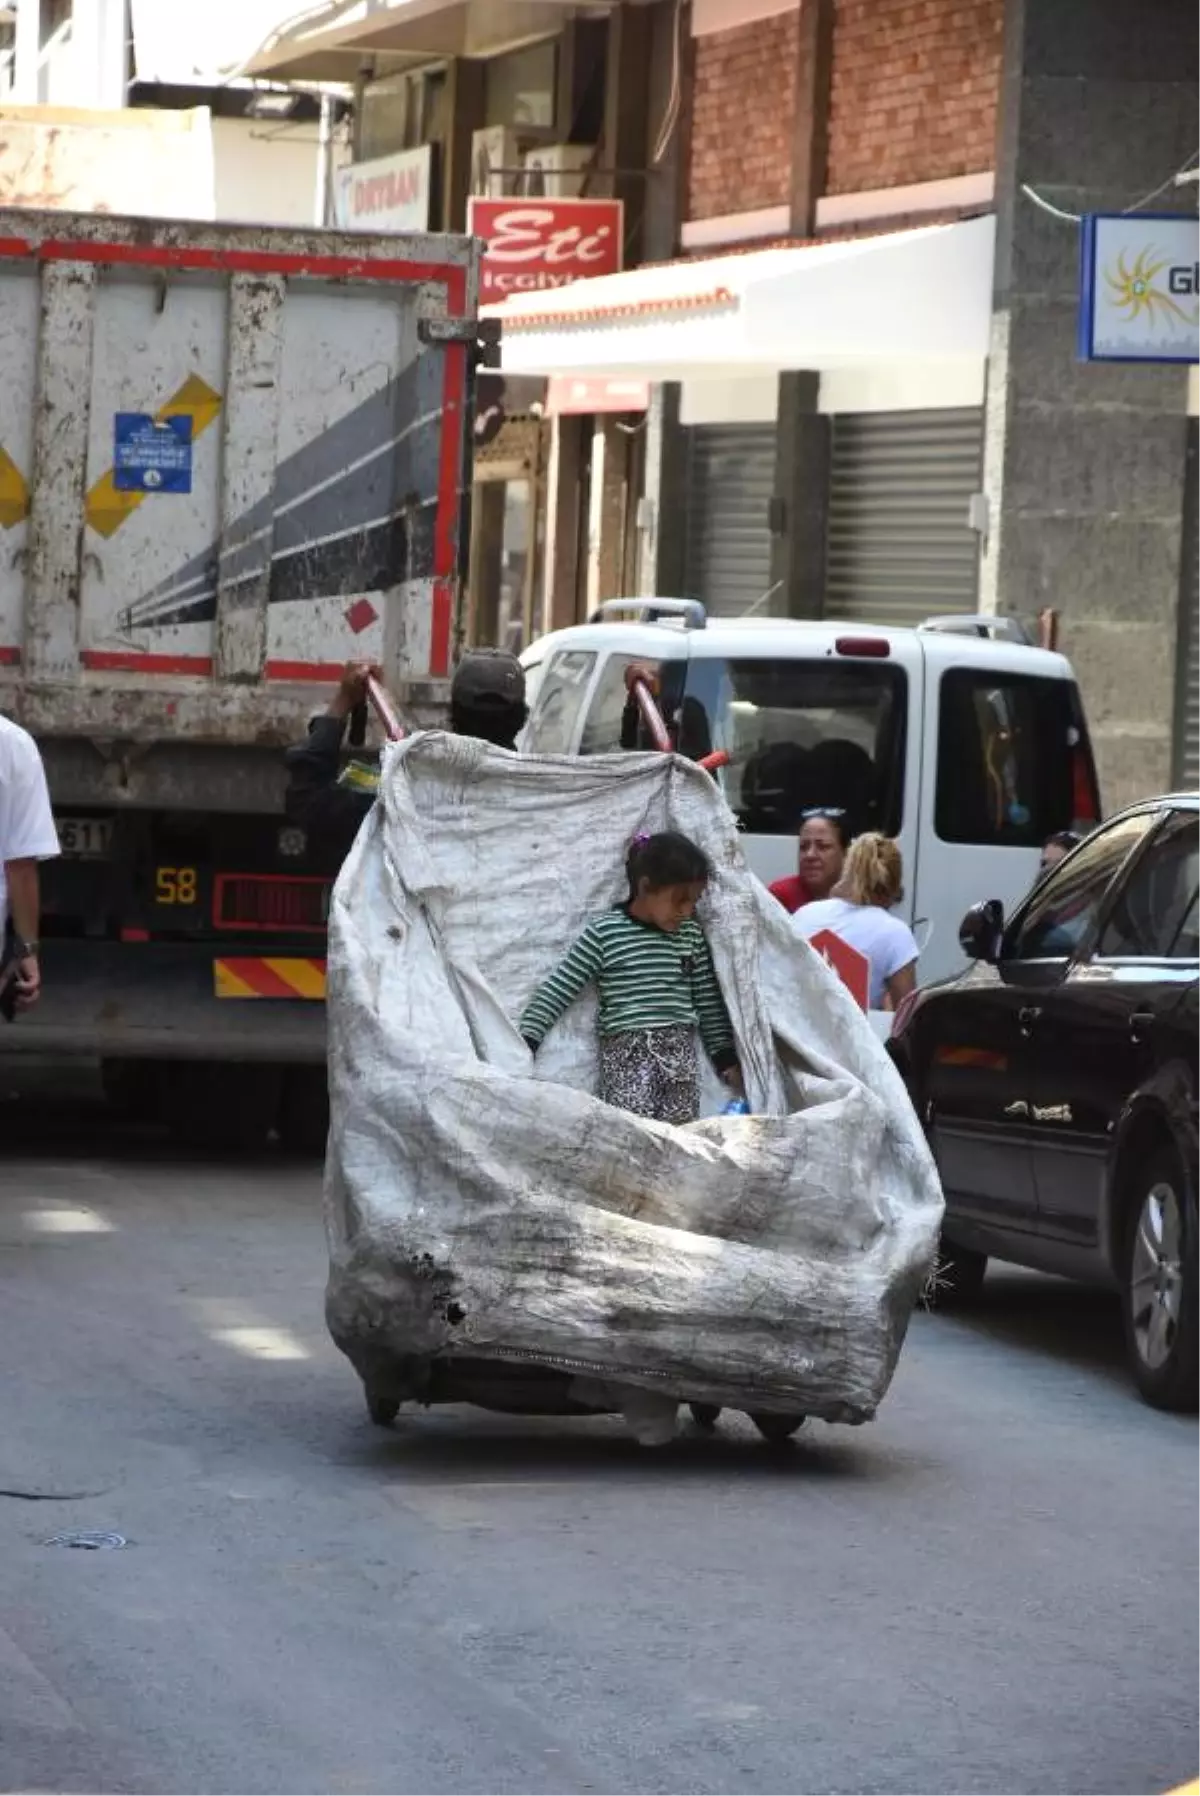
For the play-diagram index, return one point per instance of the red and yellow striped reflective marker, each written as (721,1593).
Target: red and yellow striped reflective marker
(268,976)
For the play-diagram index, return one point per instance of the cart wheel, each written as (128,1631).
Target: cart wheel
(382,1410)
(704,1415)
(775,1427)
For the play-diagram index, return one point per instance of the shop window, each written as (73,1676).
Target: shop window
(402,112)
(519,89)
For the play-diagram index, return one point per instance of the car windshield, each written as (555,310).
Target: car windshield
(801,735)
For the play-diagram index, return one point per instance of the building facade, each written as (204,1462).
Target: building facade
(839,374)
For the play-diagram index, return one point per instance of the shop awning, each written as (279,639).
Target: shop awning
(924,295)
(329,39)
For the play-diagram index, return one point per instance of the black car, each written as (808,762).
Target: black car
(1057,1082)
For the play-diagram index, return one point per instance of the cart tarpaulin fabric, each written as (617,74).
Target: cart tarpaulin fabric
(483,1204)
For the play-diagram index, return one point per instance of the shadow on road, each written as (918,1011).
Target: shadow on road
(1079,1324)
(463,1446)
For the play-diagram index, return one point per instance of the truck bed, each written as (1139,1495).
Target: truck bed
(230,459)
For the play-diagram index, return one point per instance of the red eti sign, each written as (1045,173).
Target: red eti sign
(851,967)
(535,245)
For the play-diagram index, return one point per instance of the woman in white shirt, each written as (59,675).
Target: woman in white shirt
(859,912)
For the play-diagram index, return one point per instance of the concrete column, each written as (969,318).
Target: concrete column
(802,494)
(1084,462)
(487,548)
(801,432)
(465,111)
(560,563)
(609,500)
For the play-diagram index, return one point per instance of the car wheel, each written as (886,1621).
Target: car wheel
(957,1276)
(1159,1284)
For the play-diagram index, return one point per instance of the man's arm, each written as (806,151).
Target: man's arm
(314,799)
(24,903)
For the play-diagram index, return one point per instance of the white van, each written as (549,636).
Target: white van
(959,738)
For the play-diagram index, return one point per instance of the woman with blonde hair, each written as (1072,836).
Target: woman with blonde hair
(859,912)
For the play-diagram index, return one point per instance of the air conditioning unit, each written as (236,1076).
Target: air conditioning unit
(496,162)
(557,171)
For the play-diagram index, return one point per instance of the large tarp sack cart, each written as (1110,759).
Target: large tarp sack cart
(496,1233)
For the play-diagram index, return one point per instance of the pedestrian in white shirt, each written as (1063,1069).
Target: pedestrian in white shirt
(27,836)
(859,913)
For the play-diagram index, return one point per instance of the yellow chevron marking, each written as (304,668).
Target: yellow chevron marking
(306,977)
(14,492)
(107,509)
(227,984)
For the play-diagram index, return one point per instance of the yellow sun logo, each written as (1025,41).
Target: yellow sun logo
(1134,292)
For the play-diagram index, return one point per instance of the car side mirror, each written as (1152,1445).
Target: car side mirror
(982,930)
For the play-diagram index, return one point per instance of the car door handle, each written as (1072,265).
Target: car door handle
(1140,1024)
(1027,1016)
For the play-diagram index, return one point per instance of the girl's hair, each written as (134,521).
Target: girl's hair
(874,871)
(834,816)
(668,859)
(1063,838)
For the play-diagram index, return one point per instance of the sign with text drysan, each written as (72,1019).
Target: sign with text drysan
(1139,288)
(389,194)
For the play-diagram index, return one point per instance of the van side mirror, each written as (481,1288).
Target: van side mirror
(981,931)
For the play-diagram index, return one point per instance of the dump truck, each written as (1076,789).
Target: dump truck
(231,459)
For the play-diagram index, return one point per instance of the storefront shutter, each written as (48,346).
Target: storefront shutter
(1187,716)
(899,546)
(727,548)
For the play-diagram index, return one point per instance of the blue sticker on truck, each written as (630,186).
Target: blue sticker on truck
(152,455)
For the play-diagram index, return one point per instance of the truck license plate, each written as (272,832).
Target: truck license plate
(84,838)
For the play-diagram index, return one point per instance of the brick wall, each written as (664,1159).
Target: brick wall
(743,105)
(916,85)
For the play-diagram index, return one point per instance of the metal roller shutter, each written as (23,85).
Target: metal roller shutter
(899,546)
(727,550)
(1187,716)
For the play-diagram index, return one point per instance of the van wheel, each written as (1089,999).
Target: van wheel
(957,1276)
(1158,1287)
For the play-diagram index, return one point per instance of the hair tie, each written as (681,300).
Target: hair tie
(638,841)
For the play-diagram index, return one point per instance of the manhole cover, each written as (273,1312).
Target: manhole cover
(88,1541)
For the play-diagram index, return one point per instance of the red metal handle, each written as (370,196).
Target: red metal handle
(382,706)
(651,716)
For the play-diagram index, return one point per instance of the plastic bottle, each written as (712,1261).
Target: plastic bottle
(736,1107)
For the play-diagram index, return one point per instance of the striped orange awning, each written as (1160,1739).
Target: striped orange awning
(268,976)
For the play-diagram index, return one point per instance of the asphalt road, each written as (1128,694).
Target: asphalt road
(991,1588)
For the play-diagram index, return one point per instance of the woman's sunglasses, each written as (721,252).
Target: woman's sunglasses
(821,810)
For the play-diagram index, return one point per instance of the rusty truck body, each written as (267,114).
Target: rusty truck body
(230,459)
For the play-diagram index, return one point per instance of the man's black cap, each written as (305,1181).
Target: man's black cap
(488,677)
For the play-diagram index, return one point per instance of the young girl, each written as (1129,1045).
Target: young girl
(650,963)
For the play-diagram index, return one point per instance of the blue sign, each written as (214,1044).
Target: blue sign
(152,455)
(1139,287)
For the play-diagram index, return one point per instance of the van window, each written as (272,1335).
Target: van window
(602,726)
(802,734)
(560,695)
(1013,759)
